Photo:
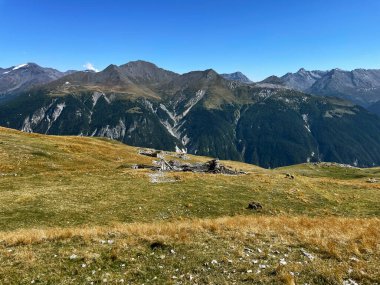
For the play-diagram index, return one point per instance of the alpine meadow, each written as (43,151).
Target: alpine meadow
(189,142)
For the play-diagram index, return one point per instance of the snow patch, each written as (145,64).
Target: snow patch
(20,66)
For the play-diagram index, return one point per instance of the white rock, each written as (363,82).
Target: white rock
(349,282)
(308,255)
(73,256)
(262,266)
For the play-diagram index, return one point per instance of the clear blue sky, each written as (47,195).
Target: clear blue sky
(259,38)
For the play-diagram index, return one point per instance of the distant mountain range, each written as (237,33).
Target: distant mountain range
(360,86)
(267,123)
(19,78)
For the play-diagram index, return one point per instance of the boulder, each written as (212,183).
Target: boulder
(255,206)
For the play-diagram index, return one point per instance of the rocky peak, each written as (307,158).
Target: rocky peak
(237,76)
(145,72)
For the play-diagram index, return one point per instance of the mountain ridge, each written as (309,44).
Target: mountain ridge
(200,112)
(361,86)
(20,78)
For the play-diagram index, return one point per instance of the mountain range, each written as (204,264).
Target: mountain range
(360,86)
(268,123)
(16,79)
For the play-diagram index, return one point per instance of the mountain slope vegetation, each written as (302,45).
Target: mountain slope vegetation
(143,105)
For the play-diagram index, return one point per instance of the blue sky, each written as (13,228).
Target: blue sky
(259,38)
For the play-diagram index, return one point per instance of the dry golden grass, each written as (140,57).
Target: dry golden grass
(336,246)
(328,233)
(61,196)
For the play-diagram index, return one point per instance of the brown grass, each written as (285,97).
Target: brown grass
(358,235)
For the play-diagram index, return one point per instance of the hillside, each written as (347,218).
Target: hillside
(141,104)
(74,211)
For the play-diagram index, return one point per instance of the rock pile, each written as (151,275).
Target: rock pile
(212,166)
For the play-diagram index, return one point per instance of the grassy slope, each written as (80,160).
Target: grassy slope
(53,187)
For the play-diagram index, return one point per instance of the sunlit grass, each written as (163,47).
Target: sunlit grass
(61,196)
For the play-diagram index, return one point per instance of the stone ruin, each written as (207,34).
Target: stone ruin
(212,166)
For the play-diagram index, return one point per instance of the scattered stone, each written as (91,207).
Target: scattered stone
(160,178)
(73,257)
(349,282)
(308,255)
(289,176)
(148,152)
(182,156)
(262,266)
(214,262)
(333,164)
(248,249)
(255,206)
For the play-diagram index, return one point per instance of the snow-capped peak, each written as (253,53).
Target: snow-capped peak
(20,66)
